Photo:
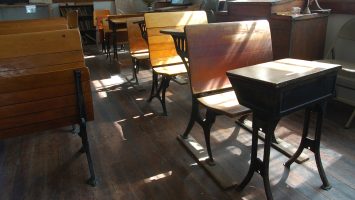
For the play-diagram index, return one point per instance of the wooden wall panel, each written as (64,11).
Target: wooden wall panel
(339,6)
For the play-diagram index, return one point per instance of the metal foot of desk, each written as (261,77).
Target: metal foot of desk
(282,146)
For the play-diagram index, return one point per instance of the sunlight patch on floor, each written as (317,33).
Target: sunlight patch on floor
(221,136)
(157,177)
(108,85)
(120,131)
(89,56)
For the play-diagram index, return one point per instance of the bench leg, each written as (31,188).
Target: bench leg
(313,144)
(135,69)
(164,85)
(256,164)
(158,90)
(194,116)
(86,148)
(209,121)
(82,124)
(348,123)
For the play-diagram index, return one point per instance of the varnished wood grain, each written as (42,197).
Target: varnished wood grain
(37,70)
(161,46)
(36,25)
(234,45)
(136,42)
(36,43)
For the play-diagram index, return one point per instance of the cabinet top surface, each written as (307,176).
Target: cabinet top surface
(259,1)
(279,73)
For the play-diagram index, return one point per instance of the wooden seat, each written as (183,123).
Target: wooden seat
(29,26)
(163,57)
(171,70)
(341,52)
(44,84)
(225,103)
(212,50)
(137,46)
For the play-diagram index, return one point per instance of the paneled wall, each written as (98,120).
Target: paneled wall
(129,6)
(18,12)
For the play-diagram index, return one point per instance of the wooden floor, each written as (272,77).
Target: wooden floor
(137,156)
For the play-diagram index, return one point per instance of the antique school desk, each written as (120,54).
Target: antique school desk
(275,89)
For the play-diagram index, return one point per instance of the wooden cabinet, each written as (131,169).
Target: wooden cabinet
(255,9)
(301,36)
(85,20)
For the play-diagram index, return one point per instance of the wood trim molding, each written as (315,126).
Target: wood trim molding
(339,6)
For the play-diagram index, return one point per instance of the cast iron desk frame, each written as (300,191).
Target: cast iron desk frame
(115,24)
(179,38)
(267,118)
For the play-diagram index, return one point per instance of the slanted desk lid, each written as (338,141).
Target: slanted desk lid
(282,72)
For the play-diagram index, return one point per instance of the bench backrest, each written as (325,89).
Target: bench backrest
(37,84)
(214,49)
(73,18)
(36,25)
(161,46)
(136,42)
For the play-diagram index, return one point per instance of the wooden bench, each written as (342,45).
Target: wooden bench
(212,50)
(36,25)
(163,57)
(138,47)
(44,84)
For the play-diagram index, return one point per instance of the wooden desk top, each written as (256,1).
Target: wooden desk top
(282,72)
(282,15)
(260,1)
(118,20)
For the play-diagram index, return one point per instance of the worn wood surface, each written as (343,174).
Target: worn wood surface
(137,156)
(36,25)
(37,84)
(136,42)
(300,37)
(216,48)
(161,46)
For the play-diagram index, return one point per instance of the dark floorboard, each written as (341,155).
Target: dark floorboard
(137,156)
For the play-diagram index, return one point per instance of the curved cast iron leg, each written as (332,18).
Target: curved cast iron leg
(165,85)
(326,185)
(256,165)
(82,124)
(264,171)
(303,140)
(193,118)
(84,139)
(253,160)
(134,70)
(210,119)
(154,86)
